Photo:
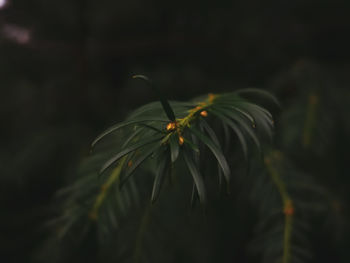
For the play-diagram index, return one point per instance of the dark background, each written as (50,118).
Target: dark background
(66,67)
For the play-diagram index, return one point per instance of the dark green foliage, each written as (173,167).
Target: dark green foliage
(154,169)
(147,142)
(309,201)
(72,78)
(165,139)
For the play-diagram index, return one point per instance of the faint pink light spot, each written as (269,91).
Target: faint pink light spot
(3,3)
(17,34)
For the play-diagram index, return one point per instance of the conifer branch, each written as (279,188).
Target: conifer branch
(288,207)
(149,141)
(115,175)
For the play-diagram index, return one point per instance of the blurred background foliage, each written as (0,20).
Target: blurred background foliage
(65,75)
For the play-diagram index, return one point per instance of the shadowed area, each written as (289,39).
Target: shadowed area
(66,72)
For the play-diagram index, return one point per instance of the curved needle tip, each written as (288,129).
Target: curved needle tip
(140,77)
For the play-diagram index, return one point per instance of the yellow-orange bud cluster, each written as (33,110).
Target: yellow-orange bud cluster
(204,113)
(171,126)
(181,140)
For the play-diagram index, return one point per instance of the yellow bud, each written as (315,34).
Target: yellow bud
(181,140)
(204,113)
(171,126)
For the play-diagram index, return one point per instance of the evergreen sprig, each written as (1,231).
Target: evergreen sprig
(150,141)
(154,135)
(288,201)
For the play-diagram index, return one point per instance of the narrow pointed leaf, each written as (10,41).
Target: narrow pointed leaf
(158,181)
(210,132)
(262,116)
(260,92)
(132,137)
(124,152)
(147,109)
(235,129)
(190,144)
(197,178)
(194,195)
(174,147)
(247,115)
(166,106)
(215,150)
(137,162)
(196,154)
(242,123)
(251,106)
(152,128)
(256,109)
(156,109)
(122,125)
